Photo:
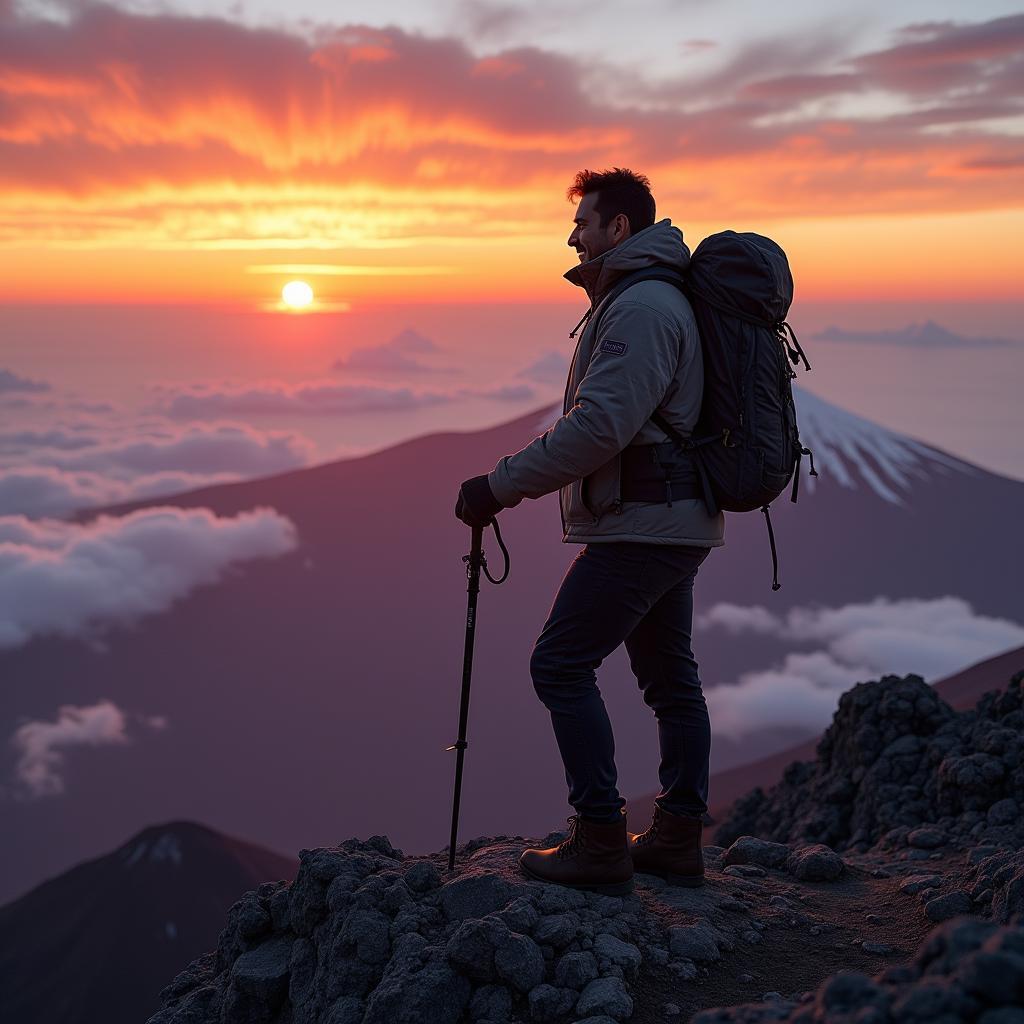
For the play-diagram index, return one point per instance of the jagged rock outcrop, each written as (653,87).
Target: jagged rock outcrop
(366,935)
(899,765)
(996,879)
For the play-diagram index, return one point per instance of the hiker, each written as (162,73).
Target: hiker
(630,497)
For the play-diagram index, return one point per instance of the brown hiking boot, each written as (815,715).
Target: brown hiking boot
(670,849)
(593,856)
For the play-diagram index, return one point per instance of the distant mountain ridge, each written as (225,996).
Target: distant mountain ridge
(100,941)
(925,335)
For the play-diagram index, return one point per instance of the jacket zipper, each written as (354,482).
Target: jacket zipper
(565,401)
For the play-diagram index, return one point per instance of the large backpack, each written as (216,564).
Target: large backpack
(745,445)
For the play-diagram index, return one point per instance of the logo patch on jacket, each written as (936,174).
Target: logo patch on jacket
(615,347)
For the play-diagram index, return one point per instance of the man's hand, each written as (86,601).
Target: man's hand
(476,505)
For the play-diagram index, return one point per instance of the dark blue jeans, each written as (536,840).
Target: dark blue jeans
(640,594)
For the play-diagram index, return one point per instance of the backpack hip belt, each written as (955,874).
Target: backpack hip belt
(657,473)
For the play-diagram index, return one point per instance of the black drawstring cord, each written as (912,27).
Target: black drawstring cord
(586,317)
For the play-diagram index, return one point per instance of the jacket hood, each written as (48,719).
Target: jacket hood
(661,244)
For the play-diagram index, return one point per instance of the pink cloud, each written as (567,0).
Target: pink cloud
(396,356)
(787,89)
(103,103)
(313,398)
(41,746)
(11,382)
(942,55)
(697,45)
(55,471)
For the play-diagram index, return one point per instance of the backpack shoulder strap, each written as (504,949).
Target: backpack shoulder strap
(670,277)
(645,274)
(670,430)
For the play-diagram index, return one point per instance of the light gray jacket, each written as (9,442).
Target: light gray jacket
(646,357)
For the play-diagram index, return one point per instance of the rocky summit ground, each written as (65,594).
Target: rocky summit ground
(917,922)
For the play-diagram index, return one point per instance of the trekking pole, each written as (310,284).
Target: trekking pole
(475,561)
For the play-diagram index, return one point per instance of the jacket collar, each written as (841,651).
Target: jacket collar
(661,244)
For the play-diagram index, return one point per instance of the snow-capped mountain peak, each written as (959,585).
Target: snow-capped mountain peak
(852,450)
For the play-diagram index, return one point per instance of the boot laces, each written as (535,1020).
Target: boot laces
(574,840)
(652,832)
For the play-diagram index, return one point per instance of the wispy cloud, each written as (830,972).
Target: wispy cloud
(502,393)
(11,382)
(394,357)
(207,448)
(697,45)
(36,491)
(99,461)
(549,368)
(315,398)
(348,270)
(75,580)
(491,21)
(41,746)
(926,335)
(859,641)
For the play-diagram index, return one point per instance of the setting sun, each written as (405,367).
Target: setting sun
(296,295)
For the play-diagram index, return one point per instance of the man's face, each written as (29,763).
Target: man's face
(588,238)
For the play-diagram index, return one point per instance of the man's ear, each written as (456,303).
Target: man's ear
(620,226)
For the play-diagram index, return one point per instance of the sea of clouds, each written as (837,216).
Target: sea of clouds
(845,645)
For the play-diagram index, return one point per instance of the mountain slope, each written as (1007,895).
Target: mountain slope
(99,942)
(342,660)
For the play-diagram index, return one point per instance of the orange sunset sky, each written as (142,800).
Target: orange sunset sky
(210,152)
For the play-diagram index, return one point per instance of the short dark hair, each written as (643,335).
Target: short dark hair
(619,190)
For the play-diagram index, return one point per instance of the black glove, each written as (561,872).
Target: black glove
(476,505)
